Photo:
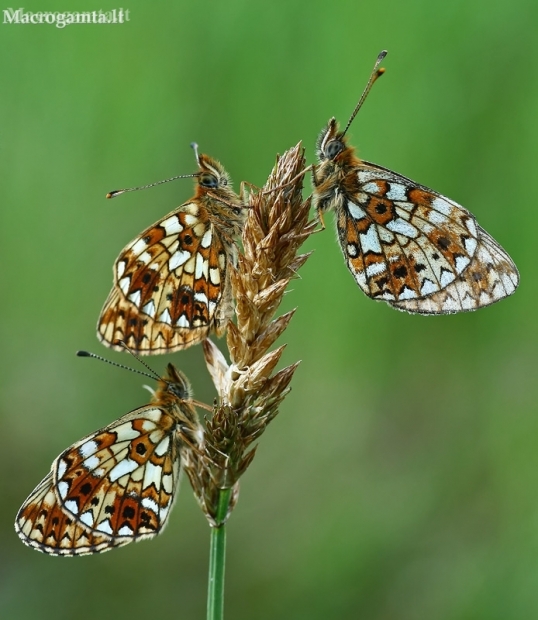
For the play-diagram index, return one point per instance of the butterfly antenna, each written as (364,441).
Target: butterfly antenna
(373,77)
(117,192)
(129,350)
(194,147)
(103,359)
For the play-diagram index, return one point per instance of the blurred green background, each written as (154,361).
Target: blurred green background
(400,479)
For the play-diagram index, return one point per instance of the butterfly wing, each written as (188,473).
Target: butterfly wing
(490,277)
(43,525)
(170,285)
(121,481)
(114,486)
(404,242)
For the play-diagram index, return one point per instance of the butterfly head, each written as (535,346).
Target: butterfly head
(174,385)
(332,143)
(212,175)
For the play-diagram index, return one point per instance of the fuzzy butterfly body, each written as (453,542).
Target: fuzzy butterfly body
(171,283)
(116,485)
(404,243)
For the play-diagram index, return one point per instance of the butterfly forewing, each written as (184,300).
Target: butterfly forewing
(171,283)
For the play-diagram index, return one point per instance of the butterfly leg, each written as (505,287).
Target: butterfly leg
(242,187)
(315,180)
(320,220)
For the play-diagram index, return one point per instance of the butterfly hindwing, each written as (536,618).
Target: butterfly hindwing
(43,525)
(171,285)
(403,241)
(490,277)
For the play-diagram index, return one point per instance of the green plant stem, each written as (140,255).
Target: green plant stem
(217,556)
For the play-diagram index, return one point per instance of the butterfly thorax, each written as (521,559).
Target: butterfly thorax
(336,179)
(226,211)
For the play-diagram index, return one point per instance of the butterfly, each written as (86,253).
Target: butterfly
(403,242)
(171,283)
(118,484)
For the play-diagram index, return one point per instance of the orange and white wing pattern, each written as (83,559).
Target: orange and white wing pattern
(171,283)
(417,250)
(42,524)
(405,243)
(490,277)
(116,485)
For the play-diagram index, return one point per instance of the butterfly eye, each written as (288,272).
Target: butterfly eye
(333,148)
(208,180)
(178,390)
